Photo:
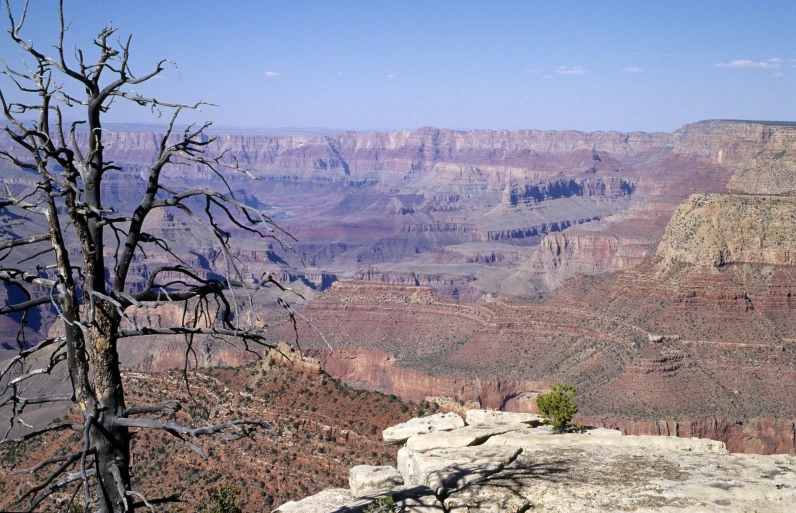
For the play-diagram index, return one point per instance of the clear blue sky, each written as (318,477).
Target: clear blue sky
(596,65)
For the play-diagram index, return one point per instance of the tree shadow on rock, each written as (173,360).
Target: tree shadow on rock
(506,491)
(404,500)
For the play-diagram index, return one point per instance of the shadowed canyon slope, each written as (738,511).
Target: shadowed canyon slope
(487,265)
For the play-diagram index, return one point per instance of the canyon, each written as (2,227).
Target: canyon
(655,272)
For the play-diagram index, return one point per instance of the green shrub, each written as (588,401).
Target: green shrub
(558,406)
(382,505)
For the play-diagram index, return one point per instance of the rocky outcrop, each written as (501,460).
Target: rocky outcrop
(723,229)
(444,469)
(522,467)
(769,172)
(472,434)
(420,426)
(500,418)
(370,480)
(563,255)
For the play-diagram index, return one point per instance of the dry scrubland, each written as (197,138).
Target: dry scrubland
(321,429)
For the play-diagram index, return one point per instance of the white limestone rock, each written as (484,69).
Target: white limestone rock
(416,499)
(617,477)
(373,480)
(600,470)
(539,438)
(463,437)
(485,498)
(406,499)
(440,422)
(322,502)
(451,468)
(493,417)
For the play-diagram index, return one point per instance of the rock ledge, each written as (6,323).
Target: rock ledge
(513,467)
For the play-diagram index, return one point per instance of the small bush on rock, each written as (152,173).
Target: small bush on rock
(558,406)
(382,505)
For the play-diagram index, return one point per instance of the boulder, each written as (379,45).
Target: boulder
(451,468)
(440,422)
(370,480)
(493,417)
(463,437)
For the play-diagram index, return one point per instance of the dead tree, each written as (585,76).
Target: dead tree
(83,282)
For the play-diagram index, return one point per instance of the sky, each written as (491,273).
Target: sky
(388,65)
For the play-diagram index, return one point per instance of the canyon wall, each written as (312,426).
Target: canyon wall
(714,230)
(490,264)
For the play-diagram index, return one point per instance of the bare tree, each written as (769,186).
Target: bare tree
(84,284)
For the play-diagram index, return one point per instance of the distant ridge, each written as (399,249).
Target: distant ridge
(754,122)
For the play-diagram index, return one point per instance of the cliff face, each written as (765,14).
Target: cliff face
(716,230)
(494,217)
(563,255)
(355,155)
(769,172)
(373,201)
(633,342)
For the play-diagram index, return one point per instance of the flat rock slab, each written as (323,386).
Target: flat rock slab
(406,499)
(462,437)
(492,417)
(369,480)
(448,469)
(440,422)
(601,478)
(323,502)
(541,438)
(486,498)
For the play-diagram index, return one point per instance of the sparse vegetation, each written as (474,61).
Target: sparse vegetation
(558,406)
(268,470)
(223,499)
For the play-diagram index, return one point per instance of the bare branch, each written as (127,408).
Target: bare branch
(253,334)
(24,242)
(242,427)
(171,405)
(38,432)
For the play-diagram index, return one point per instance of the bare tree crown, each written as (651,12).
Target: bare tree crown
(72,270)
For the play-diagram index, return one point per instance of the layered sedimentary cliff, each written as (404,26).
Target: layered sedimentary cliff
(709,316)
(715,230)
(373,200)
(498,219)
(769,172)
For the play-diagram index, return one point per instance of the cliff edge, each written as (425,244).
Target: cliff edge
(501,463)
